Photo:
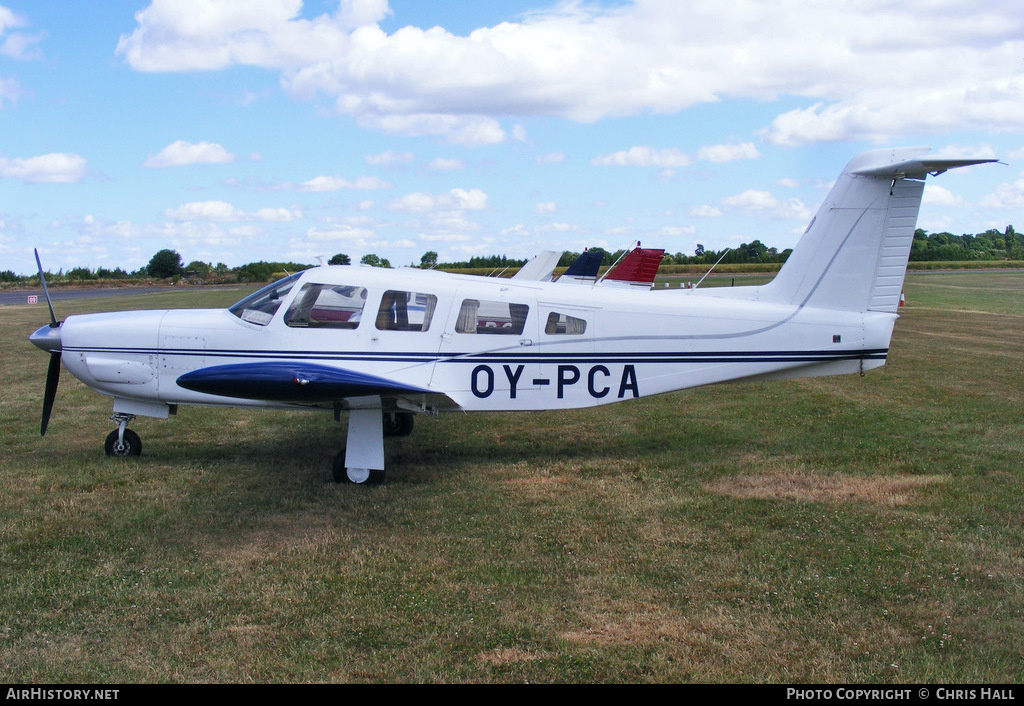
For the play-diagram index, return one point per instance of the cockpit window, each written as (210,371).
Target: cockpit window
(326,306)
(260,307)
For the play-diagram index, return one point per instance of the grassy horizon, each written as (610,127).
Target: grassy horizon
(830,530)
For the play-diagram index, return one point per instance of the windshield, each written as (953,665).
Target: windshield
(260,307)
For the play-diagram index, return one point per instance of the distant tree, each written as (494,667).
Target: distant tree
(568,257)
(429,259)
(116,273)
(198,267)
(166,263)
(374,260)
(80,273)
(340,259)
(266,271)
(606,257)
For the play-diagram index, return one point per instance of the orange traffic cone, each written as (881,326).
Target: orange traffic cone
(903,299)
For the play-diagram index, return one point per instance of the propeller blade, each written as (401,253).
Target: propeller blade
(52,377)
(46,292)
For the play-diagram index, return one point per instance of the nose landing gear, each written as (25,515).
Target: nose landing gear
(122,442)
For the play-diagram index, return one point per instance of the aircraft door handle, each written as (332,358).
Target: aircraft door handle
(526,341)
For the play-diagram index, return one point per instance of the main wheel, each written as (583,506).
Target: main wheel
(361,476)
(130,446)
(398,423)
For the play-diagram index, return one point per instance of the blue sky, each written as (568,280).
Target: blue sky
(236,130)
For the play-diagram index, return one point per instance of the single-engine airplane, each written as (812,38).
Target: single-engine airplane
(385,344)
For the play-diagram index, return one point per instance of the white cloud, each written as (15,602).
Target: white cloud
(454,200)
(644,157)
(447,165)
(358,237)
(764,202)
(205,211)
(446,238)
(705,212)
(949,64)
(728,153)
(467,131)
(677,231)
(221,211)
(10,90)
(936,195)
(336,183)
(470,199)
(545,207)
(1009,195)
(181,153)
(279,215)
(55,168)
(389,157)
(17,45)
(670,158)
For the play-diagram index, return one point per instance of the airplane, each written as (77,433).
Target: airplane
(638,268)
(385,344)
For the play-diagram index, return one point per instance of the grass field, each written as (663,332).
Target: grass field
(826,530)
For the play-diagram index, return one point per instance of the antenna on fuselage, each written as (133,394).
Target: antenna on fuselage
(727,250)
(612,266)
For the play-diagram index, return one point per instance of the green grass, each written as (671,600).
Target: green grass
(827,530)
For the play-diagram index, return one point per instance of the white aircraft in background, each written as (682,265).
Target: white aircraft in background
(385,344)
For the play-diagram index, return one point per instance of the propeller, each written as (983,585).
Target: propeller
(48,339)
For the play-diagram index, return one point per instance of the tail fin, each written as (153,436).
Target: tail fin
(540,268)
(853,255)
(584,268)
(637,269)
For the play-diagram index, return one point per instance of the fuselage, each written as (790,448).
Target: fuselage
(472,343)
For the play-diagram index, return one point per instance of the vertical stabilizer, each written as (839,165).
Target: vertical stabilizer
(853,255)
(584,268)
(638,268)
(540,268)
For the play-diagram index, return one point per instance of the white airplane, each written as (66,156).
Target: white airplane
(385,344)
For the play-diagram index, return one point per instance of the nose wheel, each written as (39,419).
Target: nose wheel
(123,442)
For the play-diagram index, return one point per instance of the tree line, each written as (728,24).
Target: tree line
(992,245)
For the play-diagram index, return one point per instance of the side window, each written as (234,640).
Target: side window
(326,306)
(559,324)
(480,316)
(405,311)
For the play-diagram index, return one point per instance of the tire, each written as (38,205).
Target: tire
(132,445)
(341,474)
(398,423)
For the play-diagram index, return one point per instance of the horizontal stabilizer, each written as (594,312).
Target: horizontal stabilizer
(914,168)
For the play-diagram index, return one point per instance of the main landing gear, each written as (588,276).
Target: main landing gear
(362,460)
